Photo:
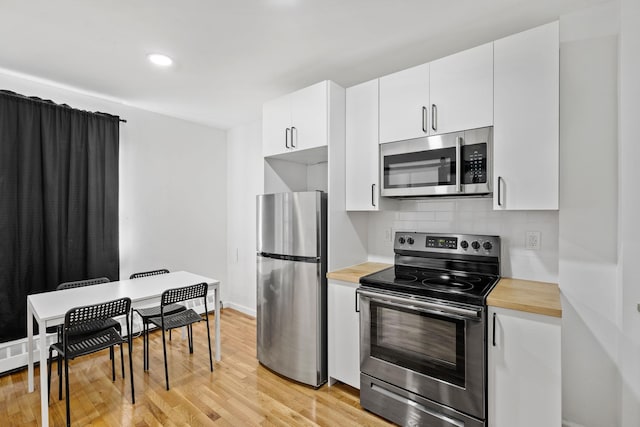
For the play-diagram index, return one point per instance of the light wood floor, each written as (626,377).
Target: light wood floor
(239,392)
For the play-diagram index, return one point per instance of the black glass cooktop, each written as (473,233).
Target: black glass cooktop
(461,287)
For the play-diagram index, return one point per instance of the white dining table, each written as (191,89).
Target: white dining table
(49,308)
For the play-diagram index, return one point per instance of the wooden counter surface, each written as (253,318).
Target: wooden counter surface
(526,295)
(355,272)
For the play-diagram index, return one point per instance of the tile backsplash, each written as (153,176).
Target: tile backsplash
(478,217)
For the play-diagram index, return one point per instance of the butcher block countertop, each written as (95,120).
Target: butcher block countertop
(355,272)
(526,295)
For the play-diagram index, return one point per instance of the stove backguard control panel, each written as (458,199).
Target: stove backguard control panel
(466,244)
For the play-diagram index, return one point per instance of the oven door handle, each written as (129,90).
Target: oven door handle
(423,306)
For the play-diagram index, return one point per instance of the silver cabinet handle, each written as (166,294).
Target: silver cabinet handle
(434,117)
(293,136)
(459,164)
(373,191)
(424,120)
(286,138)
(499,192)
(357,306)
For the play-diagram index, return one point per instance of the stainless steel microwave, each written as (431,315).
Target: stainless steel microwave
(458,163)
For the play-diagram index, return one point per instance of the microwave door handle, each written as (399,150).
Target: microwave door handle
(459,164)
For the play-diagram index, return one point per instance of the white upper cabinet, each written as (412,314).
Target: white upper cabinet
(447,95)
(526,120)
(404,104)
(362,150)
(309,110)
(296,121)
(276,126)
(461,89)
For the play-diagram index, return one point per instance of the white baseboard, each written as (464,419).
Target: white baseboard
(248,311)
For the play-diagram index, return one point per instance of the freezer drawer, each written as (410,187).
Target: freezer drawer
(292,319)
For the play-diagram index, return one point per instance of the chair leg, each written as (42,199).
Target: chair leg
(146,346)
(122,360)
(113,364)
(59,376)
(164,349)
(130,342)
(190,339)
(206,318)
(66,384)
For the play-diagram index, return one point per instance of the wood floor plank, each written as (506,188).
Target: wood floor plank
(239,392)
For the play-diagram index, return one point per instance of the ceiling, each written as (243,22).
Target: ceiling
(231,56)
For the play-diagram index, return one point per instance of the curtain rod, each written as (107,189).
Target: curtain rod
(55,104)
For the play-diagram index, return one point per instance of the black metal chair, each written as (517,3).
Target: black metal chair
(89,328)
(149,312)
(184,318)
(76,341)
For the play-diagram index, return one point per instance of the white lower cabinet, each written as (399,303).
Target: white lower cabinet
(343,333)
(524,375)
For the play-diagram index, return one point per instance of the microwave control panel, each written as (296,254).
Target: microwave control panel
(474,163)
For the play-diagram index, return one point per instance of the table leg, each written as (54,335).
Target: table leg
(217,323)
(30,348)
(44,387)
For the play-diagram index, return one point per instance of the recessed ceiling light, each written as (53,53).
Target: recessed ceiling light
(160,59)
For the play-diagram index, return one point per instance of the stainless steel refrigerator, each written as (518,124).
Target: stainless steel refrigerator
(291,282)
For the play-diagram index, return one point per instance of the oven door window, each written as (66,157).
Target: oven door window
(420,169)
(425,343)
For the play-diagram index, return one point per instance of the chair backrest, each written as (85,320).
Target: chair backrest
(101,311)
(148,273)
(185,293)
(81,283)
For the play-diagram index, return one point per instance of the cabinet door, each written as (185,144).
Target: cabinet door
(526,121)
(524,375)
(404,101)
(362,149)
(461,89)
(276,119)
(344,333)
(309,110)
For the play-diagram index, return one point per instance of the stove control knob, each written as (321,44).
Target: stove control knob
(475,245)
(410,240)
(464,244)
(401,240)
(487,246)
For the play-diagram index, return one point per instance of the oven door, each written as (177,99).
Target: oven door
(432,348)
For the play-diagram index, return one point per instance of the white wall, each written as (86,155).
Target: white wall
(245,181)
(172,184)
(475,216)
(173,196)
(630,210)
(589,216)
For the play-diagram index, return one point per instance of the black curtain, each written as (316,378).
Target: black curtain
(58,201)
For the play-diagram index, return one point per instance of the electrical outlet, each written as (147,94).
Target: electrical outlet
(532,240)
(387,234)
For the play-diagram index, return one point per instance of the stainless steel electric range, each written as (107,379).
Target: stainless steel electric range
(423,330)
